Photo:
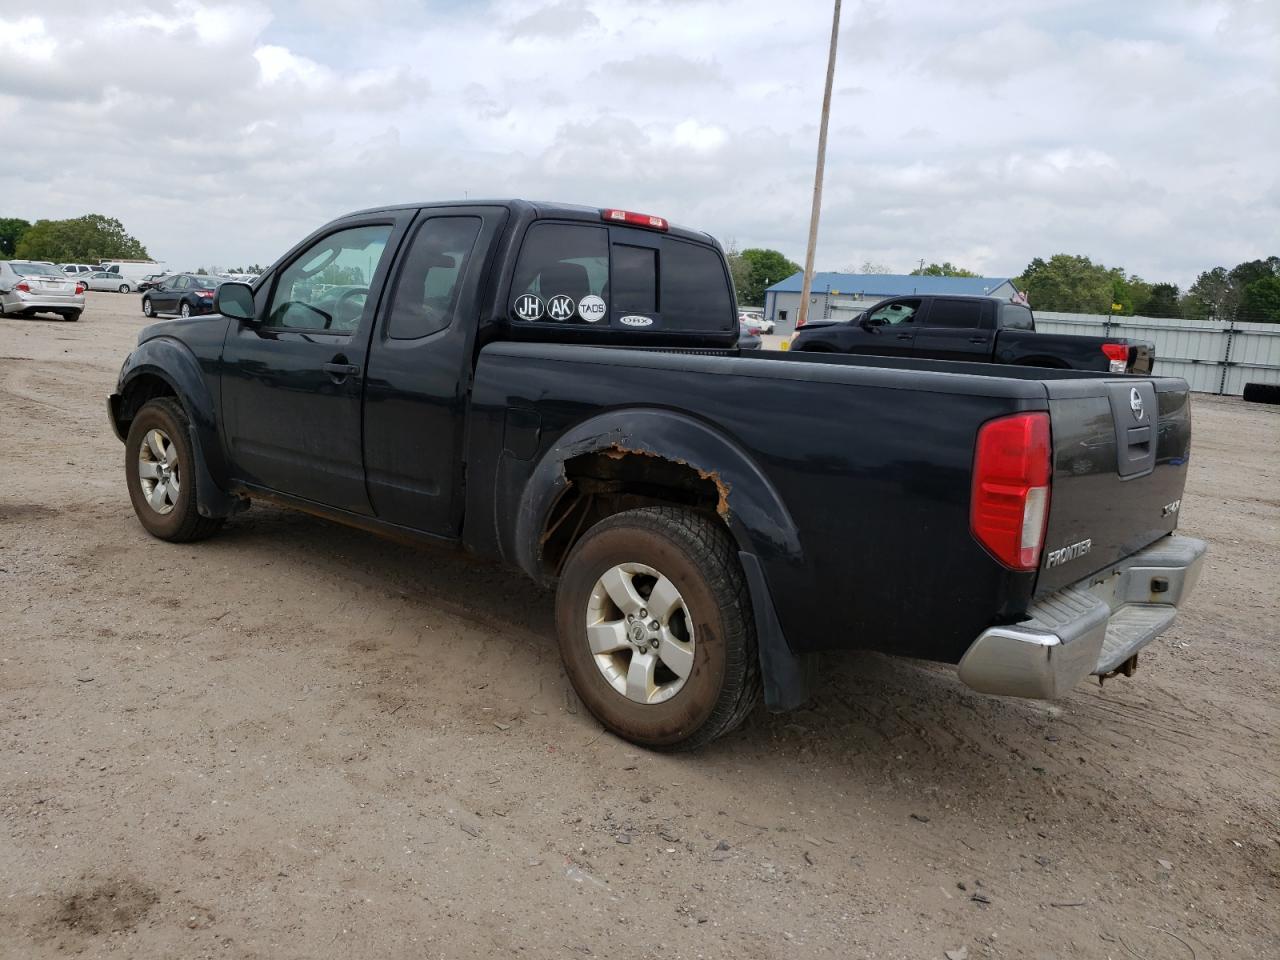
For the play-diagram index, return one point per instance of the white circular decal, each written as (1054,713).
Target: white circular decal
(591,308)
(528,307)
(560,307)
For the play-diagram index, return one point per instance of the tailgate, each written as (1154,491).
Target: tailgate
(1120,451)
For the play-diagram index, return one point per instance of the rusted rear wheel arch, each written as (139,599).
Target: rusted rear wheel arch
(641,457)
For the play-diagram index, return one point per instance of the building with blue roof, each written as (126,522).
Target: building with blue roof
(844,295)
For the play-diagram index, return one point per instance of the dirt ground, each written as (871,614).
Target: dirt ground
(296,740)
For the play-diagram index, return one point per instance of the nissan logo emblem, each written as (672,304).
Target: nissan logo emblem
(1135,403)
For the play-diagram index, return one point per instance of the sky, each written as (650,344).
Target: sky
(1145,135)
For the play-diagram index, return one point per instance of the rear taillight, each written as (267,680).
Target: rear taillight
(204,293)
(23,286)
(634,219)
(1010,499)
(1118,354)
(80,288)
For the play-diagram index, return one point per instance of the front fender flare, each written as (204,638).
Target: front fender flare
(172,362)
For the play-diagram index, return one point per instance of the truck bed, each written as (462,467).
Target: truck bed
(871,456)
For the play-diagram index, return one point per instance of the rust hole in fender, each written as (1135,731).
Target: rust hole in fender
(616,478)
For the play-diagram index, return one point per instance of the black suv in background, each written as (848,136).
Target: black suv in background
(185,294)
(977,329)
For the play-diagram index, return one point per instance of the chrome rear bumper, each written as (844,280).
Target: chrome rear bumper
(1091,627)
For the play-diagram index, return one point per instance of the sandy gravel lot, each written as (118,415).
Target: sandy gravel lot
(296,740)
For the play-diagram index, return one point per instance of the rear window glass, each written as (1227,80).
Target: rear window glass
(562,275)
(956,313)
(1014,316)
(35,270)
(695,290)
(565,275)
(635,279)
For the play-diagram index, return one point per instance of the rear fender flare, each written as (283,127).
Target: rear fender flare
(749,505)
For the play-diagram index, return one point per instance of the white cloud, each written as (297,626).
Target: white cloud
(985,133)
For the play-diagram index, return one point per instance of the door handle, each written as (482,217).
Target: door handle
(977,339)
(340,371)
(905,336)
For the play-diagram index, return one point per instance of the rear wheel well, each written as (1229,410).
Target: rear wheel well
(140,390)
(610,481)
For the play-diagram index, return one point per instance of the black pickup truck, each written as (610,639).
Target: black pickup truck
(977,329)
(559,388)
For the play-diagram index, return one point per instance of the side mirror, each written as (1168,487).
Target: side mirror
(234,299)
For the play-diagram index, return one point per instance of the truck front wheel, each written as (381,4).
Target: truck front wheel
(656,629)
(159,466)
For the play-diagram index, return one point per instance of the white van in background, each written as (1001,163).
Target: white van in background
(133,270)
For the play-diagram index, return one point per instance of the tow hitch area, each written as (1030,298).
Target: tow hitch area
(1126,669)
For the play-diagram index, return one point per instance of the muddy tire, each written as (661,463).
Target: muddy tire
(160,470)
(656,629)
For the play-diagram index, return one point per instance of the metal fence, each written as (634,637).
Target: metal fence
(1212,356)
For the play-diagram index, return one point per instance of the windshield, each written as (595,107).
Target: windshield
(36,269)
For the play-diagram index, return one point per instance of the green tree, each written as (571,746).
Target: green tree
(1071,284)
(947,269)
(1162,300)
(1214,296)
(1245,292)
(763,269)
(11,232)
(1262,301)
(85,239)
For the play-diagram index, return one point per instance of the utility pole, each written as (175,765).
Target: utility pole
(806,287)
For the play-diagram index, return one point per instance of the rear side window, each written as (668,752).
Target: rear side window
(966,314)
(562,275)
(1014,316)
(430,280)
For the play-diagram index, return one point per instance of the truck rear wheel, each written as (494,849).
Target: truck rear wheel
(656,629)
(159,465)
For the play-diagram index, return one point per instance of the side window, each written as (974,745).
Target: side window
(963,314)
(694,289)
(562,275)
(892,314)
(1014,316)
(326,286)
(430,280)
(180,283)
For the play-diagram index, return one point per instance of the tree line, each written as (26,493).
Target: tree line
(1067,283)
(88,239)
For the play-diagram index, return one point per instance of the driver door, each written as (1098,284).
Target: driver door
(293,378)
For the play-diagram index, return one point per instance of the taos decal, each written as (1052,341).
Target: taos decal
(635,321)
(591,308)
(1170,509)
(1066,554)
(527,307)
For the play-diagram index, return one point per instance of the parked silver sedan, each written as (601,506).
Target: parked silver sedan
(29,286)
(112,282)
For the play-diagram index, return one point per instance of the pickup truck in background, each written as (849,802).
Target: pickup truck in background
(560,389)
(977,329)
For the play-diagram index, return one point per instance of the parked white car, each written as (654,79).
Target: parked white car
(77,269)
(105,280)
(31,286)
